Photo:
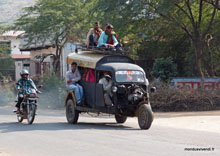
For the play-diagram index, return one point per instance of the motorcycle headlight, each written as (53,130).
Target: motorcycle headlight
(114,89)
(21,95)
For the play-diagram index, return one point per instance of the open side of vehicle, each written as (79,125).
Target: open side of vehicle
(130,95)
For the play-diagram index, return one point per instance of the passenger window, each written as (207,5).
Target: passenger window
(100,74)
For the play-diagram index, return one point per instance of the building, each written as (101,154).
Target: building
(22,58)
(42,57)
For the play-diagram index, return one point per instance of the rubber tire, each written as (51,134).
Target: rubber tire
(145,116)
(120,118)
(30,121)
(72,114)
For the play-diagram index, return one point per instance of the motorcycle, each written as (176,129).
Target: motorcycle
(28,106)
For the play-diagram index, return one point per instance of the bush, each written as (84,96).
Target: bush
(7,94)
(164,69)
(171,99)
(7,68)
(53,92)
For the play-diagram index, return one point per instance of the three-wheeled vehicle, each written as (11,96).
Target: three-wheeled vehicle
(129,89)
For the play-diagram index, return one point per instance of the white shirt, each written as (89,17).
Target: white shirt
(75,77)
(106,85)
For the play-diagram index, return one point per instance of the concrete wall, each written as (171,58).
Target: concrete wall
(47,60)
(195,83)
(14,46)
(19,64)
(68,48)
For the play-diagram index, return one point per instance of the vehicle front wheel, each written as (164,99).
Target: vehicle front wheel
(72,114)
(120,118)
(145,116)
(31,113)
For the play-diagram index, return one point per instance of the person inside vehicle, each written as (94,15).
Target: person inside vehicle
(23,84)
(108,39)
(90,75)
(93,35)
(83,72)
(72,78)
(106,81)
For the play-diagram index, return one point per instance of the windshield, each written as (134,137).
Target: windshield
(129,76)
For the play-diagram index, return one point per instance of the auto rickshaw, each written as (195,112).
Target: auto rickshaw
(130,94)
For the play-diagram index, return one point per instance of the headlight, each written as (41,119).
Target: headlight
(114,89)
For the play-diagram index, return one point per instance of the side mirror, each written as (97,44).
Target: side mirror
(153,89)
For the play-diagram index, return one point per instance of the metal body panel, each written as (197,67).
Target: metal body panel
(92,60)
(89,93)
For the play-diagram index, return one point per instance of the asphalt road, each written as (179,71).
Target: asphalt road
(171,134)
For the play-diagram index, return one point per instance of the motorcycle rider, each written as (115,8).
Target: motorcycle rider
(23,84)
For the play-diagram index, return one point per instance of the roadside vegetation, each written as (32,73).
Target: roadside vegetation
(53,91)
(167,38)
(7,93)
(169,99)
(187,31)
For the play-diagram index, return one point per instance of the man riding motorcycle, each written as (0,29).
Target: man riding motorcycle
(23,84)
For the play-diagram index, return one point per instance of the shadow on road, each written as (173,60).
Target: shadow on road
(16,127)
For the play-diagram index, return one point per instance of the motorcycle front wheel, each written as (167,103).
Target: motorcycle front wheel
(31,110)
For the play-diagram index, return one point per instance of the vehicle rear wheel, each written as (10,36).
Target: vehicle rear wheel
(31,113)
(120,118)
(72,114)
(145,116)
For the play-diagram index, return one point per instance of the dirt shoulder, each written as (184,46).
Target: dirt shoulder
(201,121)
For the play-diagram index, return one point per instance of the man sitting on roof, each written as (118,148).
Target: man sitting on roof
(93,35)
(108,40)
(72,78)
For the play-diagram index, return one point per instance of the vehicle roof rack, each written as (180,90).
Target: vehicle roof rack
(101,50)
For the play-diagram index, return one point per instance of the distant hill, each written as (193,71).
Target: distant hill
(9,9)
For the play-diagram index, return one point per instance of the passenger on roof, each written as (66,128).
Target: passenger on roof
(93,35)
(108,39)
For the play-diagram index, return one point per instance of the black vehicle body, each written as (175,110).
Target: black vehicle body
(128,97)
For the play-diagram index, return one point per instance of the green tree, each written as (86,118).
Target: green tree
(7,68)
(128,17)
(6,62)
(4,48)
(161,21)
(196,19)
(59,21)
(164,69)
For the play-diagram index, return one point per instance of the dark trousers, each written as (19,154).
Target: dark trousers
(118,47)
(92,41)
(19,102)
